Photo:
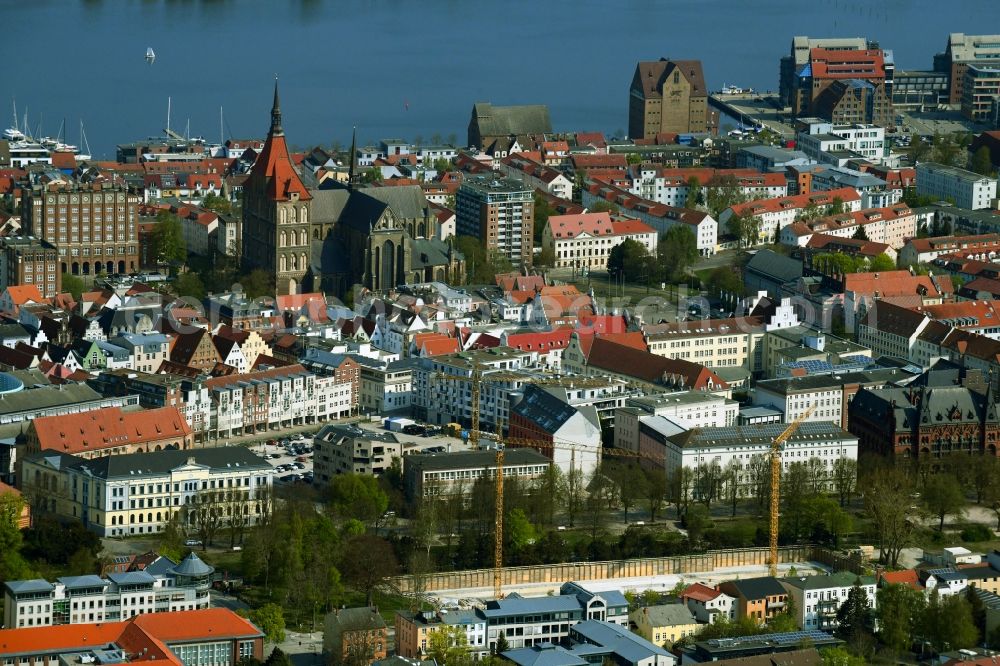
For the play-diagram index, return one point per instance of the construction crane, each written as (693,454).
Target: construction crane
(776,443)
(476,378)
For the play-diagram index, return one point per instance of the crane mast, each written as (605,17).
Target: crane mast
(772,561)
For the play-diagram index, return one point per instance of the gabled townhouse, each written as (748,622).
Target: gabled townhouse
(12,334)
(773,215)
(981,247)
(659,216)
(15,296)
(87,328)
(759,599)
(148,351)
(817,599)
(537,176)
(194,349)
(671,186)
(230,353)
(251,343)
(708,604)
(138,320)
(892,225)
(664,624)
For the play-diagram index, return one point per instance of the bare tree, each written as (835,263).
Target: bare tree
(680,488)
(206,513)
(731,483)
(759,471)
(887,493)
(707,482)
(845,478)
(575,494)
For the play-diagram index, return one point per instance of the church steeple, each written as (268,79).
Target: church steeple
(353,176)
(276,113)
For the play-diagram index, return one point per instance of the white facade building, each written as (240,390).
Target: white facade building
(967,188)
(586,240)
(670,186)
(824,137)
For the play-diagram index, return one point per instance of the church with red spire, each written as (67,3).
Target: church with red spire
(335,237)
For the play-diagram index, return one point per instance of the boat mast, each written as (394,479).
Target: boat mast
(222,134)
(168,115)
(14,102)
(83,139)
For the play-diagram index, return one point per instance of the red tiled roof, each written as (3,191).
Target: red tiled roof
(825,198)
(25,293)
(909,577)
(606,354)
(258,374)
(898,283)
(544,341)
(109,428)
(846,64)
(275,172)
(699,592)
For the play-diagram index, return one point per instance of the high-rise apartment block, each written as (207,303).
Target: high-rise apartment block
(667,96)
(500,212)
(94,226)
(980,91)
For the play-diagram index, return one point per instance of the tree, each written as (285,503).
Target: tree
(980,162)
(947,623)
(520,532)
(696,521)
(501,644)
(372,175)
(167,240)
(887,499)
(367,561)
(13,566)
(206,514)
(854,617)
(546,258)
(575,493)
(839,656)
(629,482)
(358,496)
(271,620)
(627,259)
(73,285)
(190,285)
(723,192)
(633,158)
(448,646)
(837,208)
(277,658)
(217,204)
(991,498)
(676,252)
(172,539)
(731,484)
(543,209)
(882,263)
(942,496)
(694,196)
(725,280)
(746,229)
(442,165)
(859,233)
(845,478)
(257,283)
(898,610)
(656,490)
(707,482)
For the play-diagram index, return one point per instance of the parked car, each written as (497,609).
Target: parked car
(193,542)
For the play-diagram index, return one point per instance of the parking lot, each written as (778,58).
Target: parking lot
(291,457)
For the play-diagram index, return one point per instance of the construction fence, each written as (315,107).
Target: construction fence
(557,574)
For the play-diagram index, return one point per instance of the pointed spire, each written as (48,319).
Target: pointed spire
(276,112)
(352,174)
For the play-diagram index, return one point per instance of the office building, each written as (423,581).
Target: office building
(163,586)
(667,96)
(94,226)
(348,449)
(449,474)
(966,189)
(846,86)
(961,52)
(585,241)
(500,212)
(980,92)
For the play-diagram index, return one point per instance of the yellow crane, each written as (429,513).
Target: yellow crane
(476,378)
(776,443)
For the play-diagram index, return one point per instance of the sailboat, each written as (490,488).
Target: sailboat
(150,55)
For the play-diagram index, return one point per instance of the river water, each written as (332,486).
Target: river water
(403,68)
